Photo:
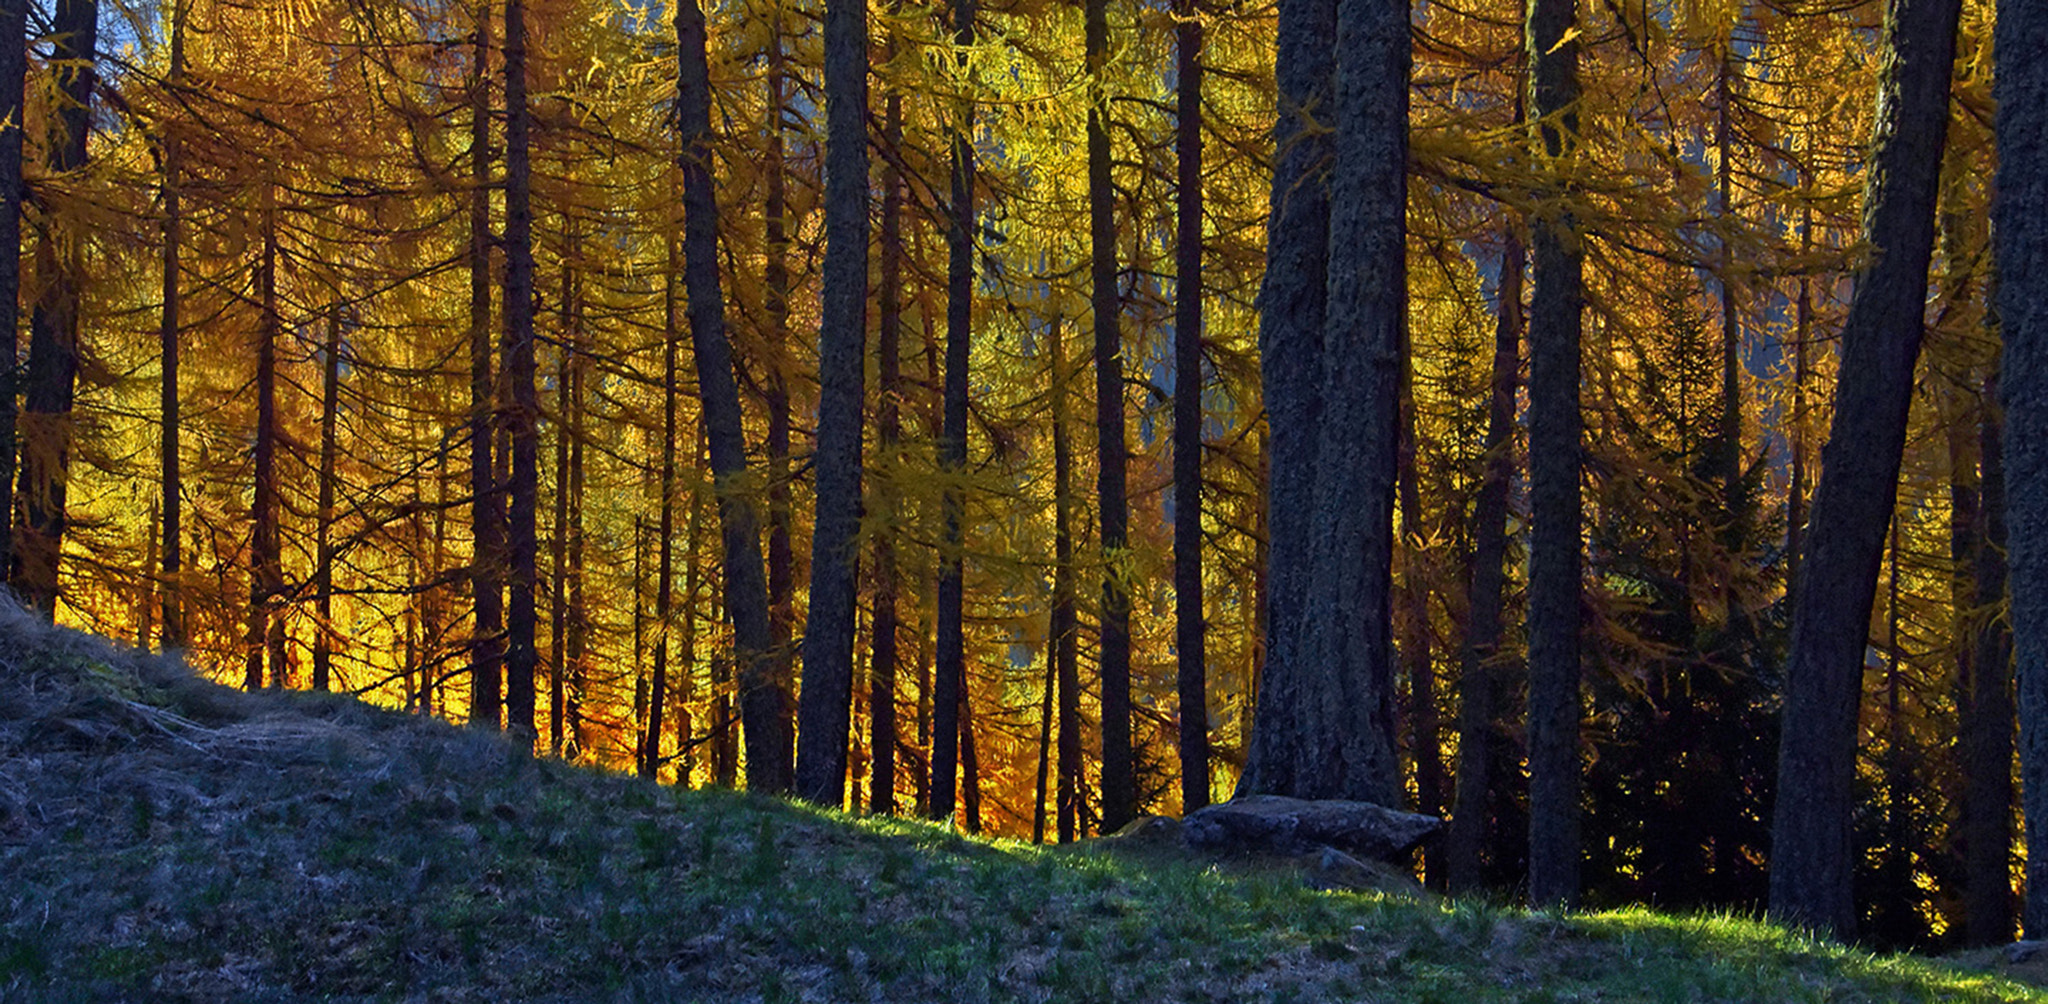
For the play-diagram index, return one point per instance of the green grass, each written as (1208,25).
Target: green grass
(294,848)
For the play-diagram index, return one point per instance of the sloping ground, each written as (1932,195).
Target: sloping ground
(164,839)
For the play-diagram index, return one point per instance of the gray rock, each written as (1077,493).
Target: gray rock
(1280,825)
(2022,951)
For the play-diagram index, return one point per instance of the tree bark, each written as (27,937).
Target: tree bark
(888,442)
(774,378)
(764,703)
(266,572)
(486,513)
(522,411)
(171,477)
(825,709)
(664,576)
(1812,857)
(1191,676)
(2020,222)
(52,371)
(1554,432)
(1064,633)
(1985,649)
(949,686)
(323,531)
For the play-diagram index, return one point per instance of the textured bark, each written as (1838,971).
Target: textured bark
(1291,312)
(1985,652)
(1415,646)
(1554,449)
(171,475)
(764,703)
(1119,778)
(1063,634)
(949,686)
(486,509)
(1812,858)
(882,737)
(323,530)
(826,706)
(1480,745)
(774,381)
(664,576)
(522,409)
(52,370)
(2020,222)
(1191,675)
(266,571)
(578,611)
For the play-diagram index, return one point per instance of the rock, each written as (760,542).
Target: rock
(1332,869)
(1280,825)
(2023,951)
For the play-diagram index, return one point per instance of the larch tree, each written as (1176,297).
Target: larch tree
(521,406)
(2020,222)
(1191,669)
(1812,864)
(949,684)
(486,507)
(13,73)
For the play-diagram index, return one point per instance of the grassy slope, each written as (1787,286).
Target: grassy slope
(162,839)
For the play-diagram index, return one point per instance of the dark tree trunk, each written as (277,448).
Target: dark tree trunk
(1479,739)
(1292,305)
(664,576)
(266,572)
(12,56)
(1119,777)
(1795,494)
(1064,634)
(2020,221)
(949,687)
(1416,647)
(1045,712)
(486,512)
(889,438)
(323,531)
(1984,652)
(826,706)
(577,653)
(1812,856)
(52,370)
(1191,681)
(764,703)
(774,379)
(1554,429)
(522,411)
(558,538)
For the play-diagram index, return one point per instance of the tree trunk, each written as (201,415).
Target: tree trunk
(1479,738)
(1984,649)
(1064,634)
(486,514)
(2020,222)
(1554,430)
(774,379)
(1292,305)
(558,538)
(522,411)
(949,688)
(1416,648)
(825,709)
(664,576)
(577,654)
(1191,679)
(1812,857)
(12,57)
(266,572)
(323,531)
(889,437)
(764,701)
(52,370)
(1119,778)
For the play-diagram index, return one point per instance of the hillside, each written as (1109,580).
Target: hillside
(165,839)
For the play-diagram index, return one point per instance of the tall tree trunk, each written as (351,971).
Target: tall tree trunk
(764,703)
(486,512)
(2020,222)
(825,709)
(1479,738)
(949,688)
(1045,712)
(1984,651)
(171,477)
(1812,857)
(664,576)
(1554,430)
(558,538)
(1292,305)
(522,412)
(1064,634)
(889,438)
(323,531)
(266,572)
(1795,495)
(52,370)
(1119,777)
(1191,680)
(775,378)
(579,608)
(1416,650)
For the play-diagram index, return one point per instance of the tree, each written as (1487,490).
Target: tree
(522,408)
(171,500)
(486,512)
(2020,222)
(949,684)
(1187,415)
(1811,860)
(824,712)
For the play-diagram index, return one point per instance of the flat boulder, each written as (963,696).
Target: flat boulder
(1279,825)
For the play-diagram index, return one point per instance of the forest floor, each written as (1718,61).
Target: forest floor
(165,839)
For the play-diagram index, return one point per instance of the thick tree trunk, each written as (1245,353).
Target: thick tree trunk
(1984,651)
(52,370)
(266,572)
(1812,858)
(1292,305)
(486,512)
(2020,221)
(1191,676)
(888,441)
(1554,430)
(522,411)
(323,531)
(172,480)
(1119,777)
(826,706)
(764,701)
(949,686)
(1479,739)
